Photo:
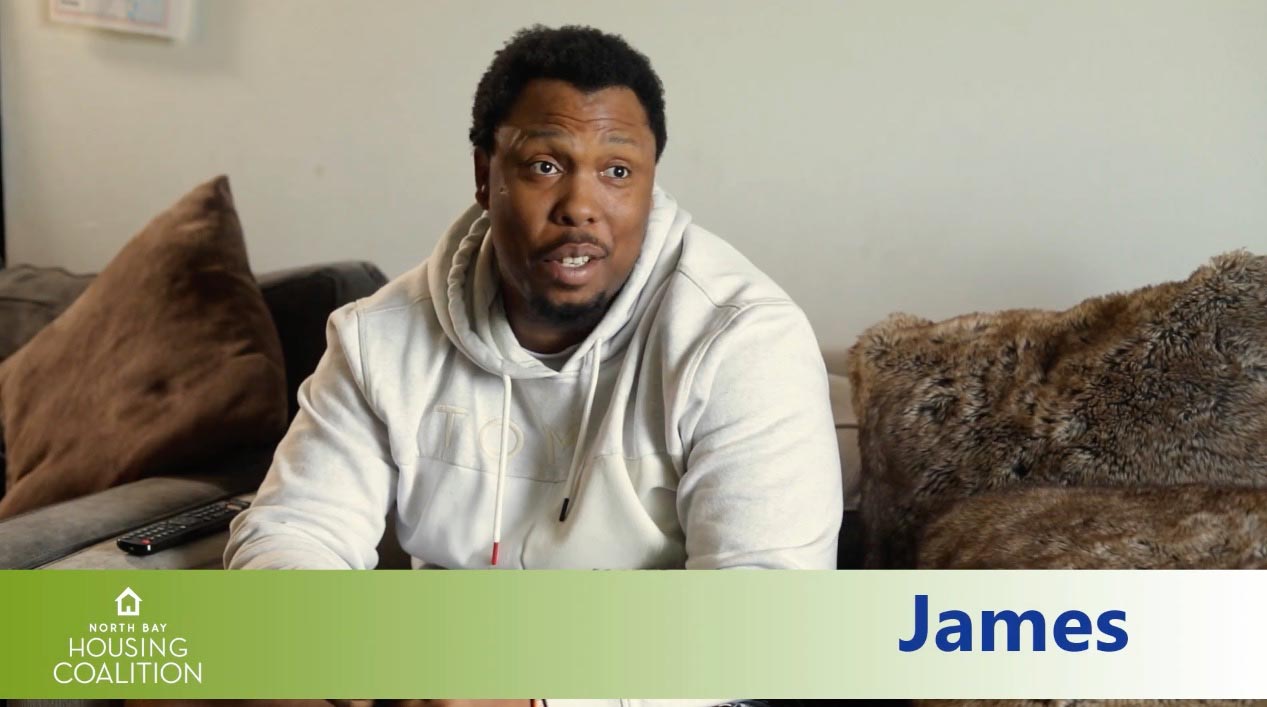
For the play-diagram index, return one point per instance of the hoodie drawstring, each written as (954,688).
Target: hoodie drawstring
(502,457)
(575,472)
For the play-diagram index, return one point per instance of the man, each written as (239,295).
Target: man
(578,376)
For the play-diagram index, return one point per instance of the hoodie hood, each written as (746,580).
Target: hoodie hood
(464,289)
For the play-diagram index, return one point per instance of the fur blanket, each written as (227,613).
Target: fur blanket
(1165,385)
(1084,703)
(1193,526)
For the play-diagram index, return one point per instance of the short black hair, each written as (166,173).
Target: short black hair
(587,58)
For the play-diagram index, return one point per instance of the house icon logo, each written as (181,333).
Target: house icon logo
(128,603)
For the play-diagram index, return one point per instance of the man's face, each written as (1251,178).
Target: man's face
(568,189)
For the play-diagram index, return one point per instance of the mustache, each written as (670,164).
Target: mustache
(571,238)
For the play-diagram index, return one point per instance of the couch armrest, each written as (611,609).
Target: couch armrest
(40,536)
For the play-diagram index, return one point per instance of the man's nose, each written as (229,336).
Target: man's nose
(578,202)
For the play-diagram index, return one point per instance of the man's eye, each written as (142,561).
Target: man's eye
(543,167)
(617,172)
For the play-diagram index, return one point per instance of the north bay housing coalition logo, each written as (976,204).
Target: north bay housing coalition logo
(129,652)
(128,603)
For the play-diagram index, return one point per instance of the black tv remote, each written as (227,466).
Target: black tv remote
(181,528)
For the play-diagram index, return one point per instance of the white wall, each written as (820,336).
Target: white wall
(934,157)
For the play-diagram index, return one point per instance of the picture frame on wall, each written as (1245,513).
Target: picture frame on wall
(156,18)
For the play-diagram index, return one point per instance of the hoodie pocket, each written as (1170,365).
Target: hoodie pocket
(624,517)
(446,511)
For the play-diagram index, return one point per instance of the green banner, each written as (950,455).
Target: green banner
(526,634)
(418,634)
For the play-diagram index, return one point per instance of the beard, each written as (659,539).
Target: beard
(571,315)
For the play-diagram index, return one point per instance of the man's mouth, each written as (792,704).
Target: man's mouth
(572,264)
(575,253)
(575,262)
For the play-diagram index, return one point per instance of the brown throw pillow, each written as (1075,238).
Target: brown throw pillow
(1163,385)
(169,356)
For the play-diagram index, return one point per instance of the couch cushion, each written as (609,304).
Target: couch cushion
(850,551)
(1164,385)
(168,356)
(846,438)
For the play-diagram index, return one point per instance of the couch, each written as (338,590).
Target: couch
(299,301)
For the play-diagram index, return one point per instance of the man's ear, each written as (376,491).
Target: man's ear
(481,177)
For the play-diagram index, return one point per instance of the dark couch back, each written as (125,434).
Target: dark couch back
(301,301)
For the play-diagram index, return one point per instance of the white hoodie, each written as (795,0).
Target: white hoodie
(691,428)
